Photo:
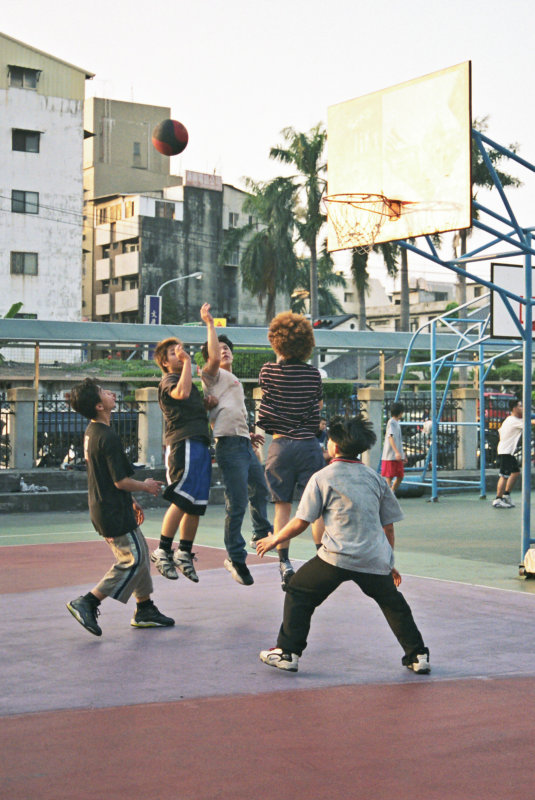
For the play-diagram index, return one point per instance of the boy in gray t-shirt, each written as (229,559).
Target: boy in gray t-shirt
(359,511)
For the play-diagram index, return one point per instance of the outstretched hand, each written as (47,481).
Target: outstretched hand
(153,487)
(265,545)
(205,314)
(396,576)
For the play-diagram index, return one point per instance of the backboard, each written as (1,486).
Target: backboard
(512,278)
(410,143)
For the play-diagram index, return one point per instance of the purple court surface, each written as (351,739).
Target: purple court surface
(191,713)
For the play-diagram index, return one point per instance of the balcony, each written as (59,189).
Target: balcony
(126,264)
(102,269)
(126,301)
(102,305)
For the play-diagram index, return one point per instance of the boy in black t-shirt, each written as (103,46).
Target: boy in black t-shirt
(187,455)
(114,514)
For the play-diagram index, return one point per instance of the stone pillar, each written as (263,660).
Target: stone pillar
(150,426)
(373,399)
(21,435)
(466,434)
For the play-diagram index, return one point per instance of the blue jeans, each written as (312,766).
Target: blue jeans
(243,476)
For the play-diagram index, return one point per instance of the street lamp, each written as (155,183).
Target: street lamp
(197,275)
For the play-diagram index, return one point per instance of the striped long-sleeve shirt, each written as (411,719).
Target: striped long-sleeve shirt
(292,391)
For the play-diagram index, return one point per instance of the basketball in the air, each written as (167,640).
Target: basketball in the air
(170,137)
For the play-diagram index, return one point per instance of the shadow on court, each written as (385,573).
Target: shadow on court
(191,713)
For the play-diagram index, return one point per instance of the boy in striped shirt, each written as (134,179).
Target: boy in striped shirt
(290,412)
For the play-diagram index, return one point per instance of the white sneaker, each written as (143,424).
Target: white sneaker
(184,562)
(419,663)
(163,561)
(499,502)
(278,658)
(507,499)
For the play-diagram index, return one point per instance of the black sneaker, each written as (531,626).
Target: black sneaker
(256,538)
(287,572)
(86,613)
(239,571)
(150,617)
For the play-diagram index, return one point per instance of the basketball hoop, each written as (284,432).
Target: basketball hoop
(358,218)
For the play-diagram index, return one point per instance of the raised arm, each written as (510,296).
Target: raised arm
(214,357)
(291,529)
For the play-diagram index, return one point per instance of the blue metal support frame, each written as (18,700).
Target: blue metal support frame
(521,241)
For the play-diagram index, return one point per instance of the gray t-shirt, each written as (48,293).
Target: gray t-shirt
(229,417)
(393,429)
(355,503)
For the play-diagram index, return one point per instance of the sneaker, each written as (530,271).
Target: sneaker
(286,571)
(278,658)
(418,663)
(86,613)
(507,499)
(256,538)
(150,617)
(239,571)
(184,562)
(163,561)
(499,502)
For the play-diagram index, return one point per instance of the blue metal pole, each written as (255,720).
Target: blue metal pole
(482,438)
(526,402)
(434,433)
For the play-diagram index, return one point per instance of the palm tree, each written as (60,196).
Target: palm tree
(328,304)
(304,151)
(268,262)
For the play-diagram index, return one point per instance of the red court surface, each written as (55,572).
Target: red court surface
(190,713)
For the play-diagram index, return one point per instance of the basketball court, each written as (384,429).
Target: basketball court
(83,716)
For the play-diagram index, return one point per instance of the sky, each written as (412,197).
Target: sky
(236,73)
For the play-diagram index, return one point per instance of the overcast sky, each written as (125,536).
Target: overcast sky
(237,72)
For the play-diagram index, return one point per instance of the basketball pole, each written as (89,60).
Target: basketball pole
(526,403)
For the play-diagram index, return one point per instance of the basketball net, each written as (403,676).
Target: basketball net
(358,218)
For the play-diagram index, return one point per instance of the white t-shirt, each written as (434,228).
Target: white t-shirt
(229,417)
(393,429)
(355,503)
(510,433)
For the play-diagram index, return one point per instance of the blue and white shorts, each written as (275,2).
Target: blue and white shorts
(189,472)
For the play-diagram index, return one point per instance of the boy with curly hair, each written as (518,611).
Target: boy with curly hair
(290,412)
(359,511)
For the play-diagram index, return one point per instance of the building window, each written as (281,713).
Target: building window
(116,212)
(24,202)
(23,263)
(130,247)
(478,291)
(129,208)
(23,77)
(348,297)
(26,141)
(164,210)
(233,219)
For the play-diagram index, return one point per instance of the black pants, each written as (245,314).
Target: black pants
(317,579)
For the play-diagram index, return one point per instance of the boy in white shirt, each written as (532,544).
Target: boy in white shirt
(393,457)
(510,433)
(243,475)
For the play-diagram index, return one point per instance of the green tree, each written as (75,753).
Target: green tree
(267,257)
(305,152)
(327,278)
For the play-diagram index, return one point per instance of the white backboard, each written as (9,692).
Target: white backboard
(510,277)
(411,143)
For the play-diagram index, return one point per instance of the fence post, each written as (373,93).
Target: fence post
(150,430)
(373,399)
(467,434)
(21,435)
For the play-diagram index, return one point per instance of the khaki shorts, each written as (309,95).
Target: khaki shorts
(131,572)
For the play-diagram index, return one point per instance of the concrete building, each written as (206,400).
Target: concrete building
(41,142)
(119,159)
(143,240)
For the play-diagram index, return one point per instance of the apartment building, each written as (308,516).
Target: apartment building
(41,199)
(143,240)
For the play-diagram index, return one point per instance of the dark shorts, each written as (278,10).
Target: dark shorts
(507,465)
(392,469)
(289,465)
(189,472)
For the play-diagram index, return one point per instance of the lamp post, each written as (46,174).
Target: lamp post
(197,275)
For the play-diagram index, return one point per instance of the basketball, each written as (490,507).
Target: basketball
(170,137)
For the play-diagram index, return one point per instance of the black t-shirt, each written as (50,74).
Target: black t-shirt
(110,508)
(184,419)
